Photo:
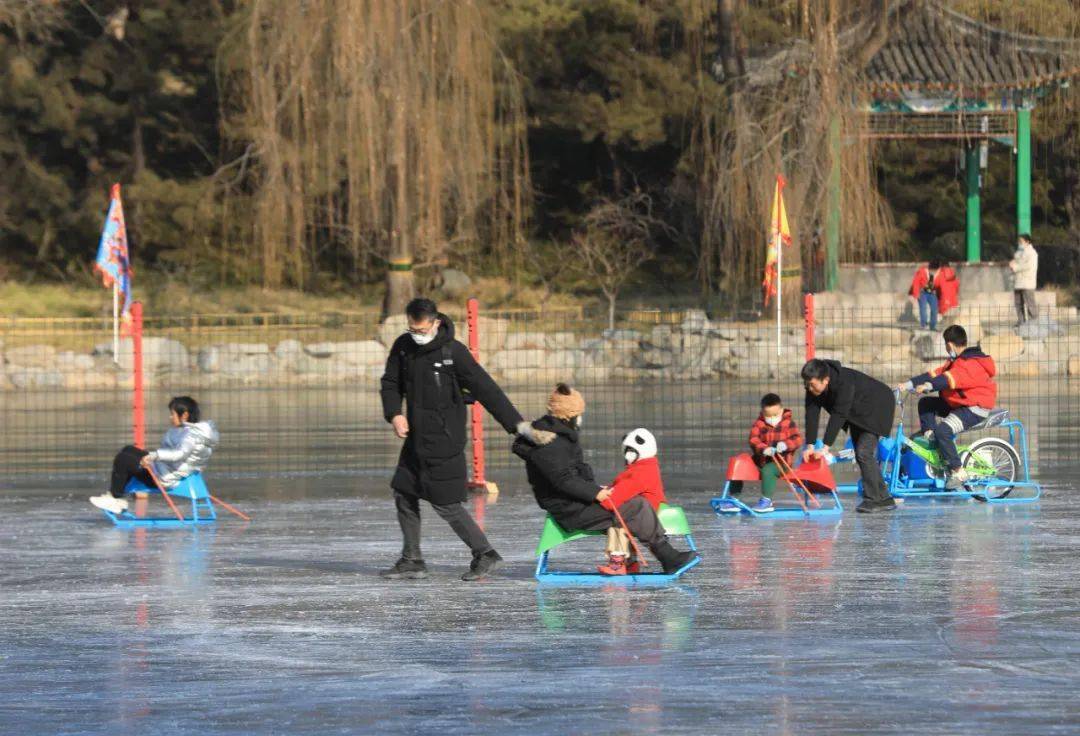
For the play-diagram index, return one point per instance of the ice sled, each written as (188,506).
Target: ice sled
(673,519)
(192,488)
(814,476)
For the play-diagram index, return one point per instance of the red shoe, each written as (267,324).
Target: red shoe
(633,567)
(616,566)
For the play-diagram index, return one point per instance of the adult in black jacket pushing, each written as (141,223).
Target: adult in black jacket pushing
(428,368)
(862,405)
(565,487)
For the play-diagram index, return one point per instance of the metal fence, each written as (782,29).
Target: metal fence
(298,394)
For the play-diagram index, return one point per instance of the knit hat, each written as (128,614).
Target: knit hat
(565,403)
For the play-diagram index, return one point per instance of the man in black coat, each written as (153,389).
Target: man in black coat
(428,368)
(565,487)
(862,405)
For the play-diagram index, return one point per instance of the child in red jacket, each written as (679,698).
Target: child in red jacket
(773,433)
(966,394)
(640,478)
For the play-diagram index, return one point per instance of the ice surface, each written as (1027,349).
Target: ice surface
(943,617)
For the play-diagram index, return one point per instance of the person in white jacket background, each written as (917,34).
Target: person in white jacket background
(185,449)
(1025,268)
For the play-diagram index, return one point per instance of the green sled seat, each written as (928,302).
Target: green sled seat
(673,519)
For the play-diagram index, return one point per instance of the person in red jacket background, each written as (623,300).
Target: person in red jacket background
(640,478)
(966,394)
(936,289)
(774,432)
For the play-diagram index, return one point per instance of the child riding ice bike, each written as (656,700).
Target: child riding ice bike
(930,463)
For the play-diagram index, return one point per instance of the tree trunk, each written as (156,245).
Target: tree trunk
(611,297)
(731,60)
(400,280)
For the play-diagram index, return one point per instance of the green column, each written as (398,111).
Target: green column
(832,225)
(1023,171)
(974,214)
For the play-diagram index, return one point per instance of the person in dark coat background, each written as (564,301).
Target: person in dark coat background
(428,368)
(565,487)
(862,405)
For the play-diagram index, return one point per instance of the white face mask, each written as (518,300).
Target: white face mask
(630,456)
(424,339)
(773,421)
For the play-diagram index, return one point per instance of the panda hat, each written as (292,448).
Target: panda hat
(638,444)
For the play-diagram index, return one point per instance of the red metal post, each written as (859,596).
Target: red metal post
(808,313)
(472,311)
(138,410)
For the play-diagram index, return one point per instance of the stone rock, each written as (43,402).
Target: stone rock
(1042,327)
(517,360)
(662,337)
(235,359)
(22,378)
(287,349)
(863,337)
(561,341)
(392,328)
(1003,347)
(1074,366)
(455,283)
(653,358)
(160,355)
(695,320)
(70,362)
(32,356)
(359,352)
(927,345)
(532,340)
(868,356)
(622,335)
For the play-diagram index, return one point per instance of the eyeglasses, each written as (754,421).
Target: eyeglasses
(421,330)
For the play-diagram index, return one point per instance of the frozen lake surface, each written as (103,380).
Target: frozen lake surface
(947,617)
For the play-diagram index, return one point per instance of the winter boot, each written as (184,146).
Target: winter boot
(405,569)
(616,566)
(110,503)
(672,559)
(957,479)
(483,565)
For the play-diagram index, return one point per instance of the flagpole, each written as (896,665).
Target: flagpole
(779,262)
(116,322)
(779,285)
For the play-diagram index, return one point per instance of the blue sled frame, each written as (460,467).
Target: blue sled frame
(192,488)
(785,512)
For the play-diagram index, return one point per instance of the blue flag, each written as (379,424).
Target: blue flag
(113,262)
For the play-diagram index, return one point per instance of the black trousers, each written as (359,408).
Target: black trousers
(125,467)
(866,445)
(639,516)
(454,514)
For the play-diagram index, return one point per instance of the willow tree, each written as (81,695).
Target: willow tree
(779,123)
(389,130)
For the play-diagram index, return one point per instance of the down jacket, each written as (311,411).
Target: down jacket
(430,380)
(184,450)
(561,480)
(853,399)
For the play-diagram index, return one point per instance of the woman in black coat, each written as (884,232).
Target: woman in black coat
(565,487)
